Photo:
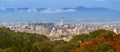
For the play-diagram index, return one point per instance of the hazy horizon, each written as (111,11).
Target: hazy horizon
(111,4)
(74,10)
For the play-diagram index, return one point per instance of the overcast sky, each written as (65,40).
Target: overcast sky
(112,4)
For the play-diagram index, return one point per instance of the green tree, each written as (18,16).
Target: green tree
(105,47)
(44,46)
(27,47)
(60,48)
(13,49)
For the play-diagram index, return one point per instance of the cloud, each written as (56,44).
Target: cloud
(70,10)
(57,10)
(31,10)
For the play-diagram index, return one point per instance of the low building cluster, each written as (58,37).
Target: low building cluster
(60,32)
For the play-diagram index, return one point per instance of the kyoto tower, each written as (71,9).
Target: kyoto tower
(62,21)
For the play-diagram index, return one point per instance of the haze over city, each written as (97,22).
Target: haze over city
(72,10)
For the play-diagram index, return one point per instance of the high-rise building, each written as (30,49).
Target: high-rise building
(62,21)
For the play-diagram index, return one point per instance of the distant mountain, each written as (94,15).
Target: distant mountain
(79,14)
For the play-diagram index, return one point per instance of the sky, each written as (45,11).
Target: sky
(111,4)
(56,13)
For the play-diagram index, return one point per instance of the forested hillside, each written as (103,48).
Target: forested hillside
(98,41)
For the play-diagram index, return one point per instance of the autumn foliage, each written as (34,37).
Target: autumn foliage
(97,41)
(109,38)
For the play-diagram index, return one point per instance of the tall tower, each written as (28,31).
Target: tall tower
(62,19)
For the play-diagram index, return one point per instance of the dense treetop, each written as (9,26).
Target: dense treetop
(97,41)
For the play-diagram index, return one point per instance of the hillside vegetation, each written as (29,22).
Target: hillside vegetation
(97,41)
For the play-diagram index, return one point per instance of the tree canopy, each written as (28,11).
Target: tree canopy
(97,41)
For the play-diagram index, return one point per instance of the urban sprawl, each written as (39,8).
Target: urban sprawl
(60,31)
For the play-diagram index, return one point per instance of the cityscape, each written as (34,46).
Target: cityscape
(60,31)
(59,26)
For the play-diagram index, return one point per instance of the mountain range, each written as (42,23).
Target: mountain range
(79,14)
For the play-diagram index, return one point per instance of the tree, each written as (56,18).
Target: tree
(101,32)
(105,47)
(27,47)
(81,38)
(13,49)
(60,48)
(44,46)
